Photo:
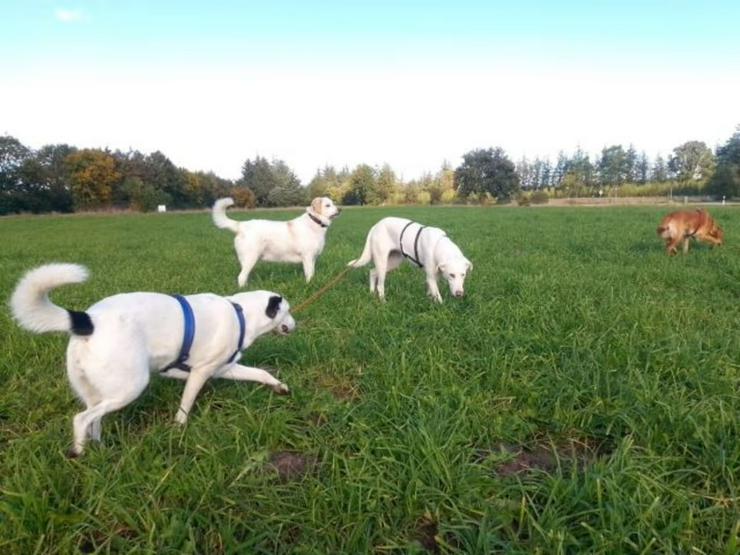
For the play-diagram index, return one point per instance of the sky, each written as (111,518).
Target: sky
(410,83)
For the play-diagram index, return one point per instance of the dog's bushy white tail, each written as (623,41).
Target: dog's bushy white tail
(30,302)
(219,215)
(365,257)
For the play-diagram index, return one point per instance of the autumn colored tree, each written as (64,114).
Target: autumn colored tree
(93,174)
(243,197)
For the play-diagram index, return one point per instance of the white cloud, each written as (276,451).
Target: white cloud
(70,16)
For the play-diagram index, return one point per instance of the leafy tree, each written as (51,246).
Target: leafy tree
(93,173)
(262,176)
(692,161)
(142,196)
(384,186)
(487,171)
(614,166)
(726,178)
(642,169)
(630,162)
(164,175)
(13,155)
(287,195)
(560,169)
(441,187)
(581,169)
(361,185)
(660,170)
(525,171)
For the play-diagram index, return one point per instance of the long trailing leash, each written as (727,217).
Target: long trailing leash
(316,296)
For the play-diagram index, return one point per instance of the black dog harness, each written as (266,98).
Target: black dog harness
(189,334)
(415,258)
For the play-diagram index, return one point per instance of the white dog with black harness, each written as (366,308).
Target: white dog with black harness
(299,240)
(393,239)
(117,342)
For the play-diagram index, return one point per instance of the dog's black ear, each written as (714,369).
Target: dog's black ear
(273,306)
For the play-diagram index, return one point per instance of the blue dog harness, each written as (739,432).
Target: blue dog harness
(189,334)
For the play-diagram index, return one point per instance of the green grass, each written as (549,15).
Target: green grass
(580,350)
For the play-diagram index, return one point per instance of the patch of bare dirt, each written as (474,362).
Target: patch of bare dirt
(290,465)
(517,459)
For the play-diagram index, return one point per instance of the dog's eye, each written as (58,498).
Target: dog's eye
(452,276)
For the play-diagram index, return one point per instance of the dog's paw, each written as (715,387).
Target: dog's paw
(281,389)
(72,453)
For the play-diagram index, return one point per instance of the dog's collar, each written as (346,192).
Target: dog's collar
(315,219)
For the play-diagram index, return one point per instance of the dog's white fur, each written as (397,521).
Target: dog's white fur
(437,254)
(138,333)
(299,240)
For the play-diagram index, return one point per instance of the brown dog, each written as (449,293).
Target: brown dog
(685,224)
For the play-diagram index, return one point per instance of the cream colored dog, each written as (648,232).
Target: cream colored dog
(392,239)
(299,240)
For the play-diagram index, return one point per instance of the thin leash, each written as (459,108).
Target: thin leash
(313,298)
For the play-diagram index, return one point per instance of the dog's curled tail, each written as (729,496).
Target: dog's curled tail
(32,308)
(365,257)
(219,215)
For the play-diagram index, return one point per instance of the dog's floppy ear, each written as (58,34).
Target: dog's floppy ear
(470,265)
(273,306)
(316,205)
(440,268)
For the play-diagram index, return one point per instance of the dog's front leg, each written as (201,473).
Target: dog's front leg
(196,379)
(308,267)
(432,288)
(250,374)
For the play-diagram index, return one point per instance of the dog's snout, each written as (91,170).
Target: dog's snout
(285,328)
(459,293)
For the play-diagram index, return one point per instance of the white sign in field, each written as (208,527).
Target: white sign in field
(161,208)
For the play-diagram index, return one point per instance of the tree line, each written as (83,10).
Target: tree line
(63,178)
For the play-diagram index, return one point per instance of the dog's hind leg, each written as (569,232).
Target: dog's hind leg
(373,280)
(250,374)
(83,421)
(196,379)
(247,260)
(686,241)
(380,267)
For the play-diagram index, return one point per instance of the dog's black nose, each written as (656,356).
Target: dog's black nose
(459,294)
(285,328)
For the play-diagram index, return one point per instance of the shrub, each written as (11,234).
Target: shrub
(540,197)
(244,197)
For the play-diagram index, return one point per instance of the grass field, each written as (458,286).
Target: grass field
(582,398)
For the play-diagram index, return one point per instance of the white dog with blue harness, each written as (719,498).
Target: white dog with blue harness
(117,342)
